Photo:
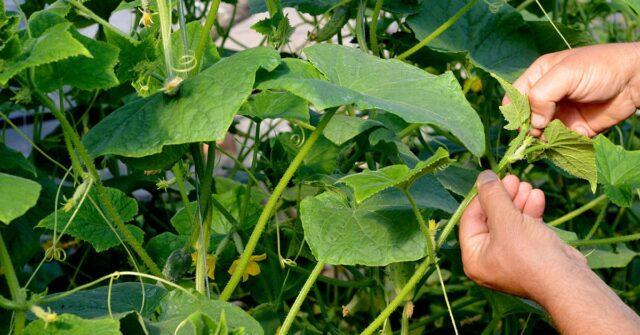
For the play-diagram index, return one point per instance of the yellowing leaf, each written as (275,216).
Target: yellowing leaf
(253,268)
(518,111)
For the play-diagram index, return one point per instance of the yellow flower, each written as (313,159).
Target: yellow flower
(253,269)
(211,264)
(47,316)
(146,20)
(432,225)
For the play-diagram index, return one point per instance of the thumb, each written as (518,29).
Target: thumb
(494,198)
(551,88)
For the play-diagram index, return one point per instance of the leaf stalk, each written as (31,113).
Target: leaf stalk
(271,205)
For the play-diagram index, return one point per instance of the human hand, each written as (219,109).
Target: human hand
(506,246)
(589,89)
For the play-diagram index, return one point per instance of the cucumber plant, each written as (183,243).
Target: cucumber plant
(172,185)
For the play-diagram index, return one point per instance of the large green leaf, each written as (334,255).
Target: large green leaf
(569,150)
(17,195)
(90,226)
(369,82)
(342,128)
(372,235)
(617,171)
(496,41)
(202,110)
(13,161)
(518,111)
(82,72)
(177,306)
(272,105)
(125,297)
(55,44)
(603,258)
(367,183)
(69,324)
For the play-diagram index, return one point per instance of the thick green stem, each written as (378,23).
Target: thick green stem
(360,22)
(206,35)
(373,28)
(271,205)
(14,286)
(400,298)
(609,240)
(202,237)
(70,133)
(455,218)
(576,212)
(295,308)
(438,31)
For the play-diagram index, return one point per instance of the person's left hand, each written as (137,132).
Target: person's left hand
(506,246)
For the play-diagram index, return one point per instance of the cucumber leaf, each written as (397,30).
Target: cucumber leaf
(495,40)
(367,183)
(17,195)
(89,224)
(617,171)
(370,235)
(55,44)
(15,162)
(342,128)
(272,105)
(518,111)
(569,150)
(125,297)
(369,82)
(178,306)
(201,111)
(69,324)
(606,258)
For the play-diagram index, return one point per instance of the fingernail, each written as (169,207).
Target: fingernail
(581,130)
(486,176)
(538,121)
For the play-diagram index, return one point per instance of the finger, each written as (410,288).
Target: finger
(472,223)
(511,184)
(559,82)
(523,194)
(534,72)
(494,198)
(534,206)
(590,119)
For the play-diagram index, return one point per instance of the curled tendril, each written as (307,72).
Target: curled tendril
(495,5)
(186,63)
(55,253)
(298,139)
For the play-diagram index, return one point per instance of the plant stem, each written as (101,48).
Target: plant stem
(438,31)
(609,240)
(70,134)
(576,212)
(14,286)
(404,323)
(400,298)
(373,28)
(295,308)
(360,22)
(456,216)
(202,236)
(206,35)
(423,225)
(270,206)
(84,11)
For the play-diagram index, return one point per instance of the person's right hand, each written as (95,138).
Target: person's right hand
(589,89)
